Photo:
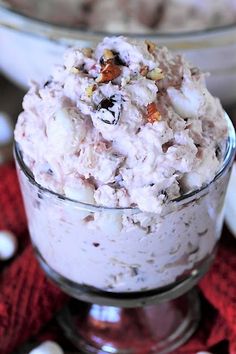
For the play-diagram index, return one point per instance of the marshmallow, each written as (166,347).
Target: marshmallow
(203,353)
(8,245)
(47,347)
(6,129)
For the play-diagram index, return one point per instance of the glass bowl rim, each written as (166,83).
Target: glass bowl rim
(152,35)
(181,200)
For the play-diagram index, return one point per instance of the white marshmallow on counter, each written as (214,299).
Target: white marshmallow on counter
(48,347)
(6,129)
(8,245)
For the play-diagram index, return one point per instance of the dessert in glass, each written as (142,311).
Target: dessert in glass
(131,16)
(123,157)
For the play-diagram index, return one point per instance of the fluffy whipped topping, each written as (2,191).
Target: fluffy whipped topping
(125,125)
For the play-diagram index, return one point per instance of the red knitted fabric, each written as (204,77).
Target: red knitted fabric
(28,301)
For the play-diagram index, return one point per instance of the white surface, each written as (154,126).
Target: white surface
(230,205)
(8,245)
(47,347)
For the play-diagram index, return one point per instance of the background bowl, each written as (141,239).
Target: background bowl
(30,47)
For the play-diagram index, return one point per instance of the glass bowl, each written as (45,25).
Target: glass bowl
(134,270)
(30,46)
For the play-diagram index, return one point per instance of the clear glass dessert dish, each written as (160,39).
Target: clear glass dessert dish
(133,270)
(211,49)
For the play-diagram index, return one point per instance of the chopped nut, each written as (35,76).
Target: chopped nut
(90,89)
(108,73)
(155,74)
(74,70)
(151,46)
(108,54)
(111,57)
(153,115)
(87,52)
(144,70)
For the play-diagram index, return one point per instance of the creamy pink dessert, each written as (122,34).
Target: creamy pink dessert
(132,16)
(129,127)
(141,16)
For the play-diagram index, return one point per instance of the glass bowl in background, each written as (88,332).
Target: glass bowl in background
(30,47)
(133,270)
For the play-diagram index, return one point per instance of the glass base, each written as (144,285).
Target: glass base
(157,328)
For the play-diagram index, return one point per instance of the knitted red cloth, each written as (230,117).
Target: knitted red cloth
(28,301)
